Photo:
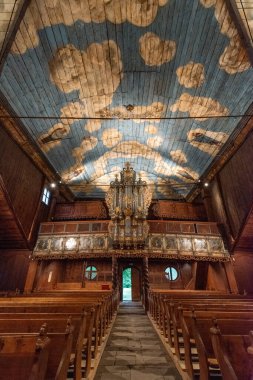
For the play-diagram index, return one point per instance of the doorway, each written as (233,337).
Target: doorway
(130,282)
(127,284)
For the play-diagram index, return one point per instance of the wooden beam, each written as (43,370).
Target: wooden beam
(235,16)
(12,33)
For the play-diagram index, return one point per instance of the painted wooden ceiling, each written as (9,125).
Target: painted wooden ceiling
(245,9)
(8,12)
(153,82)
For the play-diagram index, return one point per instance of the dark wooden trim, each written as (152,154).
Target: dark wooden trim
(12,34)
(18,223)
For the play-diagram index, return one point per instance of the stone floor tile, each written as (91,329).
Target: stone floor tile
(115,376)
(133,351)
(107,361)
(139,375)
(112,369)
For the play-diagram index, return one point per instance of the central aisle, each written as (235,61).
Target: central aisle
(133,350)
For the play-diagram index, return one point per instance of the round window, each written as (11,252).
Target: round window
(171,273)
(91,273)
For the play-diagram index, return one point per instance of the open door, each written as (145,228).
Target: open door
(127,284)
(131,284)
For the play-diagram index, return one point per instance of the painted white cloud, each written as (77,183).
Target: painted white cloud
(155,51)
(137,12)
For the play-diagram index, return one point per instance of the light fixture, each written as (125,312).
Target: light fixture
(128,201)
(206,184)
(53,185)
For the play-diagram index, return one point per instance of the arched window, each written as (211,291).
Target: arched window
(171,273)
(91,273)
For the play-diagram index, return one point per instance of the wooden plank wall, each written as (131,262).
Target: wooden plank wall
(13,269)
(243,268)
(232,199)
(23,184)
(52,272)
(21,211)
(178,210)
(10,235)
(232,188)
(216,277)
(80,210)
(158,279)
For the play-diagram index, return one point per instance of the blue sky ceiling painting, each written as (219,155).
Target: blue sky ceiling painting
(112,76)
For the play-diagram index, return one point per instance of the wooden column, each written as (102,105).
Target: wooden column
(83,273)
(206,196)
(231,277)
(55,194)
(145,283)
(228,230)
(33,265)
(115,279)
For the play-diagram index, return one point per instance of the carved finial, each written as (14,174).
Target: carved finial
(42,338)
(68,327)
(43,330)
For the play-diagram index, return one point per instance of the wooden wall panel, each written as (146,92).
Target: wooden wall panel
(216,278)
(49,273)
(179,210)
(56,274)
(245,241)
(243,268)
(158,279)
(22,180)
(73,271)
(10,234)
(13,269)
(236,184)
(80,210)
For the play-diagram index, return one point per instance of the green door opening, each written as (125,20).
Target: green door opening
(127,284)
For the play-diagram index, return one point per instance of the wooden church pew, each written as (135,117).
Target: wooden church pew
(31,323)
(59,351)
(165,311)
(102,315)
(217,306)
(170,322)
(24,357)
(235,361)
(196,331)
